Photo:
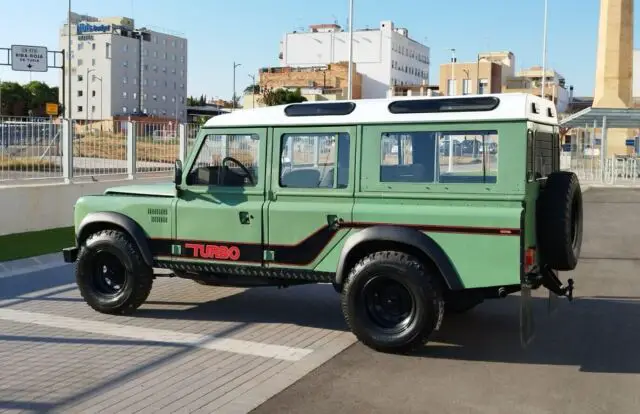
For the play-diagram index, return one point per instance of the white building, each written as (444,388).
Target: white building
(117,69)
(385,56)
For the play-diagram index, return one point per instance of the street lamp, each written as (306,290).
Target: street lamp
(350,75)
(544,49)
(69,55)
(101,118)
(233,104)
(253,90)
(87,91)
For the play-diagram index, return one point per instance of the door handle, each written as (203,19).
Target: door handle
(245,217)
(334,221)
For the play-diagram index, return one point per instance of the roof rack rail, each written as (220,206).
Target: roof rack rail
(320,109)
(423,106)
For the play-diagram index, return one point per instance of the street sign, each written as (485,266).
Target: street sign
(51,108)
(29,58)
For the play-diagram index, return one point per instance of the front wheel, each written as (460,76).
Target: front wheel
(391,302)
(111,274)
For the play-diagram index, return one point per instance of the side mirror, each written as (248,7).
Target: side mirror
(177,173)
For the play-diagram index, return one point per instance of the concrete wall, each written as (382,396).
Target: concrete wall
(47,206)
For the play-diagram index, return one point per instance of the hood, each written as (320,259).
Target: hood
(153,190)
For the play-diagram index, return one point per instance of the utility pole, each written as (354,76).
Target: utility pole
(350,75)
(69,53)
(253,90)
(233,103)
(544,50)
(87,92)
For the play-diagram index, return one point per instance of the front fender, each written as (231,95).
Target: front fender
(402,235)
(94,221)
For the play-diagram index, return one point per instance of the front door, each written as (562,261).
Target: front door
(219,211)
(311,193)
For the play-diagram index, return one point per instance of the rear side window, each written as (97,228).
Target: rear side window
(463,157)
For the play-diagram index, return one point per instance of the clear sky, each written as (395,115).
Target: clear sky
(249,31)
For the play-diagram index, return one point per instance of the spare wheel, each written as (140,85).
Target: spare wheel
(559,221)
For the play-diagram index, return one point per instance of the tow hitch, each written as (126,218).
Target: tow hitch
(549,279)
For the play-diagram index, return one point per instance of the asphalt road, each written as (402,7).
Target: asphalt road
(583,360)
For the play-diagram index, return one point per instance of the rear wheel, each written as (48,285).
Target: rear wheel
(111,274)
(559,221)
(391,302)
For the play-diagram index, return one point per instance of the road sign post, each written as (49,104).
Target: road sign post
(29,58)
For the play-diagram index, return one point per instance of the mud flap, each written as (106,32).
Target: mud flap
(527,324)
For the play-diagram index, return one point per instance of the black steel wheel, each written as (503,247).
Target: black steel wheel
(111,274)
(392,302)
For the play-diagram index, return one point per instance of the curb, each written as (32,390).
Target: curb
(31,264)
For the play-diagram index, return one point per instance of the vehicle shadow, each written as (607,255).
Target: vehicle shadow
(316,306)
(596,334)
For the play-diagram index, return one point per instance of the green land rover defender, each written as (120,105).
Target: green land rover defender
(410,207)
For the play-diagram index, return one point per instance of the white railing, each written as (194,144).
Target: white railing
(613,170)
(59,149)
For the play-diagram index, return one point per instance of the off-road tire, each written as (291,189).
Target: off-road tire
(423,285)
(559,221)
(138,275)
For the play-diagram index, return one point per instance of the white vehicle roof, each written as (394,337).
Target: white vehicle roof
(512,106)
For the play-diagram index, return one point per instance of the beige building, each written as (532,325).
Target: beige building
(467,78)
(414,90)
(316,83)
(530,81)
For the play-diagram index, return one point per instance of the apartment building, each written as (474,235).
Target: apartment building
(117,69)
(385,56)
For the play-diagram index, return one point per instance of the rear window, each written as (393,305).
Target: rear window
(543,154)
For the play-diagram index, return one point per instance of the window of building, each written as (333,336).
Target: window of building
(173,43)
(155,68)
(173,71)
(166,84)
(145,52)
(135,110)
(125,47)
(164,69)
(80,45)
(80,93)
(164,41)
(135,95)
(155,53)
(439,157)
(208,168)
(93,94)
(155,82)
(93,46)
(80,78)
(79,108)
(107,50)
(182,86)
(451,87)
(155,112)
(146,67)
(154,97)
(124,109)
(164,55)
(125,63)
(124,95)
(182,59)
(173,99)
(93,108)
(319,160)
(144,96)
(145,82)
(93,62)
(80,62)
(164,98)
(124,80)
(466,86)
(182,73)
(134,81)
(483,87)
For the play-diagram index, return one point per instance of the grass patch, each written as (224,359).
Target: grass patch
(27,163)
(115,148)
(35,243)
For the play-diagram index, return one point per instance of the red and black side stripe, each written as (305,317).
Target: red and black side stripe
(301,253)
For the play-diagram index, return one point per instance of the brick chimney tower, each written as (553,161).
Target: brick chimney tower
(614,66)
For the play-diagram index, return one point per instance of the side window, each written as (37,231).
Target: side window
(227,160)
(314,160)
(407,157)
(468,157)
(530,163)
(545,154)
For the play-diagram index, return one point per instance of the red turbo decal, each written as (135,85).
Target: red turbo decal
(212,251)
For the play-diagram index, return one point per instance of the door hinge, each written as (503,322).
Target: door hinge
(268,255)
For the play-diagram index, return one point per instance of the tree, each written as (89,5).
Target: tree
(39,94)
(253,89)
(15,99)
(280,96)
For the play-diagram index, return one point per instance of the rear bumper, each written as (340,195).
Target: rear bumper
(70,254)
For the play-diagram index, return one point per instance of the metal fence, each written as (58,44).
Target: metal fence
(33,148)
(592,168)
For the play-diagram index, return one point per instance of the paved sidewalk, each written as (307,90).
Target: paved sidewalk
(190,348)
